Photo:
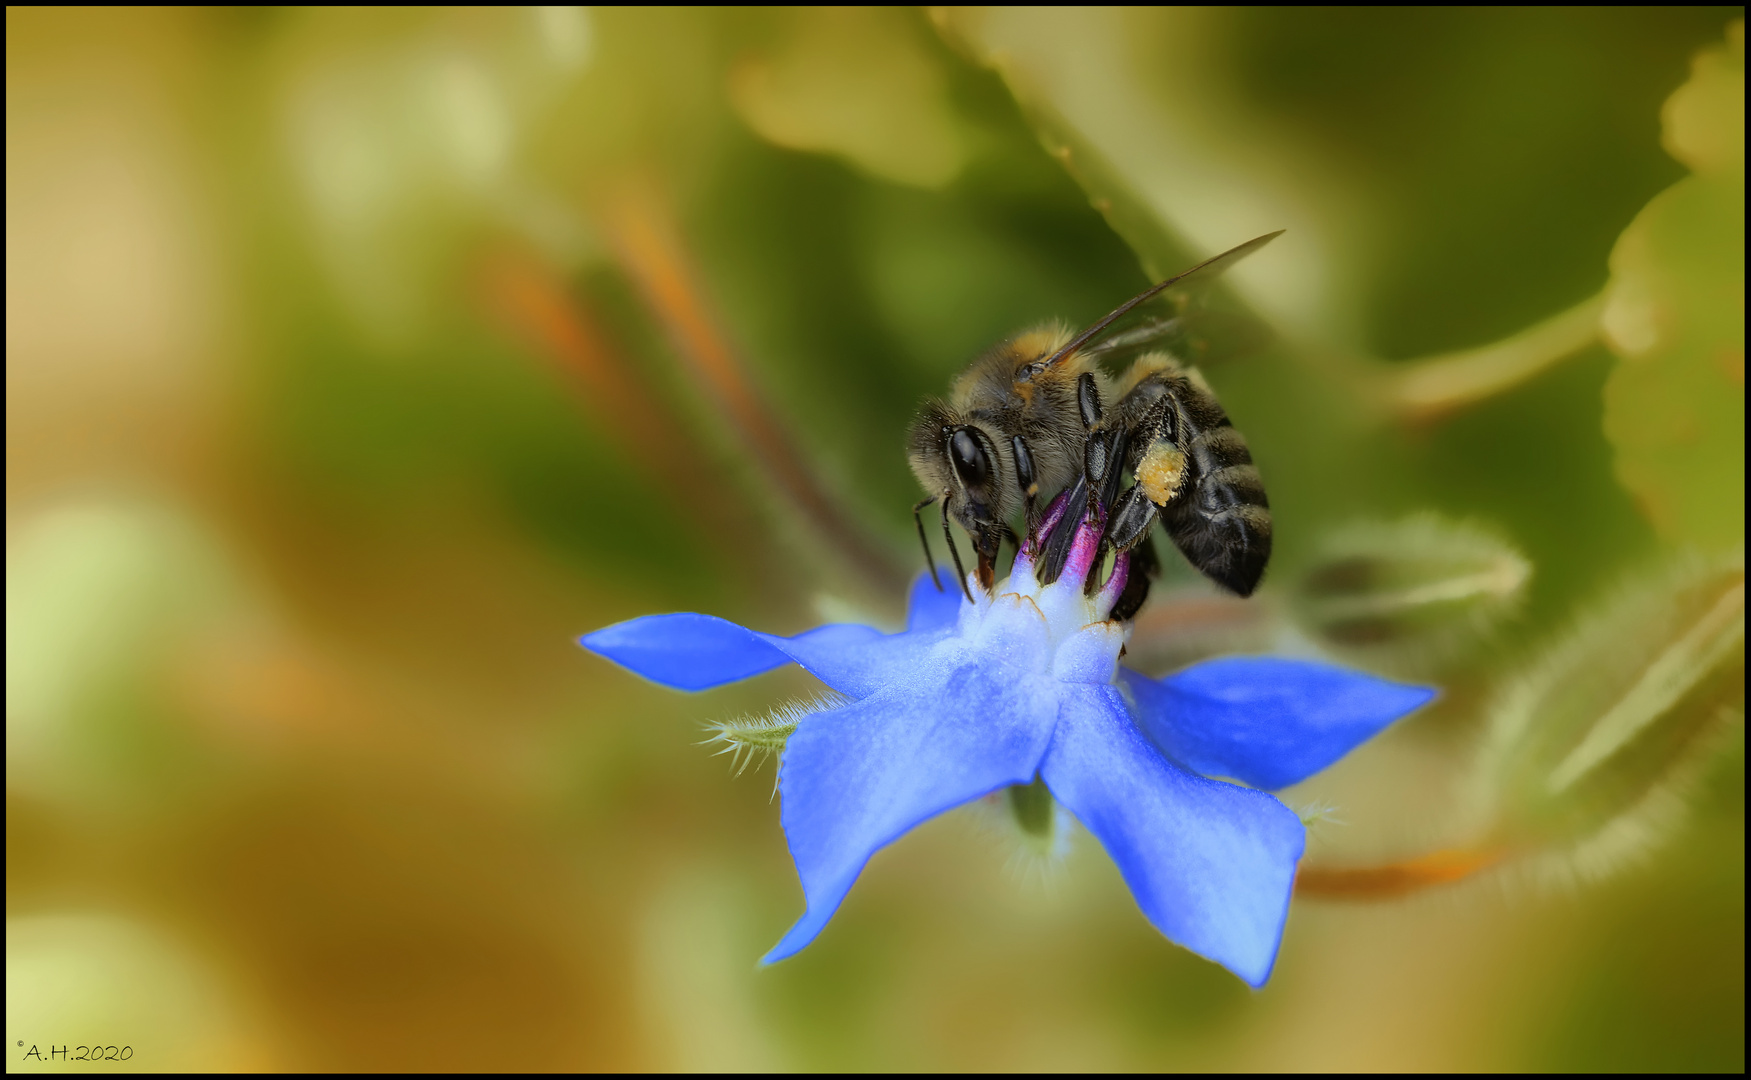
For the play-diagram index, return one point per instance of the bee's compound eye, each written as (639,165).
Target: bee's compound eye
(970,462)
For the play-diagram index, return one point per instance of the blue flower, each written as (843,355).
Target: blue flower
(1022,683)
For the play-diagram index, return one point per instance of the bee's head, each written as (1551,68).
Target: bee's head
(961,460)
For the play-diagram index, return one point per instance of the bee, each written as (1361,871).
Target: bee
(1031,418)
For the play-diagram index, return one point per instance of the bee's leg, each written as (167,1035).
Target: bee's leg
(1117,445)
(918,520)
(988,546)
(1099,449)
(960,571)
(1157,465)
(1144,568)
(1159,469)
(1088,400)
(1092,581)
(1122,530)
(1024,479)
(1057,542)
(1131,519)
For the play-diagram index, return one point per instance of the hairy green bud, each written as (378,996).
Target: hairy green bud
(1031,806)
(750,738)
(1034,826)
(1589,753)
(1411,595)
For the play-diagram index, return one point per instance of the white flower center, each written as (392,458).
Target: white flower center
(1043,628)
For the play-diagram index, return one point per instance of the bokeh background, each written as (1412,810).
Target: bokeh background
(359,360)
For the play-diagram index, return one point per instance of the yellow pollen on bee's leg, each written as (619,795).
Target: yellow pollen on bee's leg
(1160,472)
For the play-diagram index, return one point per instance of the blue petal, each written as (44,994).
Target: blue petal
(1266,722)
(857,778)
(686,651)
(696,652)
(858,660)
(1211,864)
(931,608)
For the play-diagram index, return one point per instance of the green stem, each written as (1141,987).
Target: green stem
(1422,389)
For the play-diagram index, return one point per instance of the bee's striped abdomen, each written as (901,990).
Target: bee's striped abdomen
(1221,520)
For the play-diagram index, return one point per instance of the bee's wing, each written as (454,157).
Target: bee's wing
(1150,332)
(1195,334)
(1116,326)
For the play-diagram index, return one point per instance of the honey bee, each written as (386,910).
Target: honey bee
(1030,418)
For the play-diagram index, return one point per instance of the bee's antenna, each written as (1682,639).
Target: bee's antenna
(1213,264)
(960,571)
(918,520)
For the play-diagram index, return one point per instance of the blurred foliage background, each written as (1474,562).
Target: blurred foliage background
(357,360)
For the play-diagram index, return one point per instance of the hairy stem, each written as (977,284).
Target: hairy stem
(643,234)
(530,300)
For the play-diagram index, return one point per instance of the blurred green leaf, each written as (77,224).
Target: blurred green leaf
(1675,317)
(1413,154)
(857,83)
(100,594)
(99,972)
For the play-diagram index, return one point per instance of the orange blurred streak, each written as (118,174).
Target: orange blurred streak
(642,232)
(531,300)
(1393,879)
